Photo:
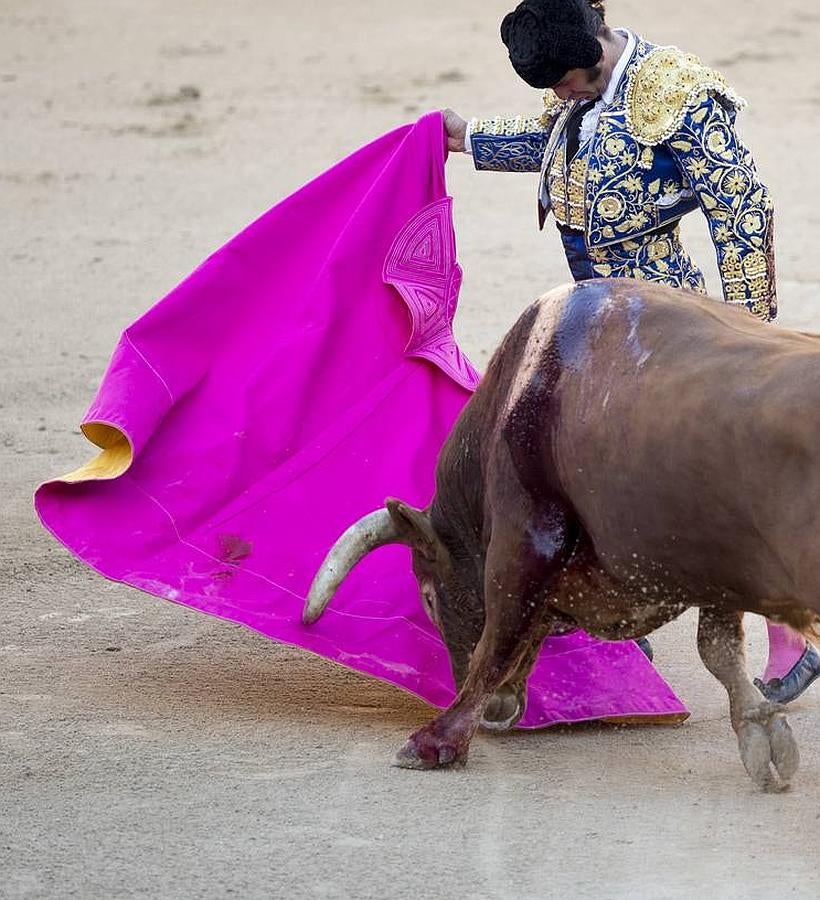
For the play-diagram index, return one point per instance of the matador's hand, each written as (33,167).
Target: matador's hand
(456,128)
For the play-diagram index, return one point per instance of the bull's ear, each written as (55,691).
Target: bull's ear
(413,525)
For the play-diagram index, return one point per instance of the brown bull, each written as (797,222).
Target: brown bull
(632,451)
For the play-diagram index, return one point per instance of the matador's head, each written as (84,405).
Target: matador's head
(547,39)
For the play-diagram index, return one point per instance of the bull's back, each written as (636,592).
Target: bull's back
(684,435)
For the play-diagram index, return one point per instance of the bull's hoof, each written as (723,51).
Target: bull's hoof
(427,750)
(505,708)
(768,748)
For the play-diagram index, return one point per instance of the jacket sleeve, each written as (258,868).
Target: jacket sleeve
(508,144)
(737,205)
(514,144)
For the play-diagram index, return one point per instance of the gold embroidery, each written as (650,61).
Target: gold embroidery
(634,185)
(755,264)
(657,258)
(753,223)
(552,102)
(506,125)
(615,146)
(576,201)
(610,207)
(556,185)
(556,132)
(659,249)
(663,87)
(647,158)
(764,309)
(755,268)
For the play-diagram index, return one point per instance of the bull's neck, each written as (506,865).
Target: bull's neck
(457,511)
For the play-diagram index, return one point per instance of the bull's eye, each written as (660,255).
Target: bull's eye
(428,598)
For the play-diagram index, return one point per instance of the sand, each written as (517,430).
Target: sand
(150,751)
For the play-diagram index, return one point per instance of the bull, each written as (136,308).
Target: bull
(632,451)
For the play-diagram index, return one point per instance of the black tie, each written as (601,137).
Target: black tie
(573,129)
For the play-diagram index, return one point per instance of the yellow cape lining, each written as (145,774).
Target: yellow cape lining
(115,457)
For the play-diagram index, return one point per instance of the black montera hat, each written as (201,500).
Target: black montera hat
(547,38)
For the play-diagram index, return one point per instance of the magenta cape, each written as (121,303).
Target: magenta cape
(282,391)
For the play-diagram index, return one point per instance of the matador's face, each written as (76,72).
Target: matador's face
(589,84)
(582,84)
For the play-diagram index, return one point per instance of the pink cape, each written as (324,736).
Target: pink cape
(282,391)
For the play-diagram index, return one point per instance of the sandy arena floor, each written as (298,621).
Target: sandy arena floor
(149,751)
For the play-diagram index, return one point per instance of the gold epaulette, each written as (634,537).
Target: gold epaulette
(661,89)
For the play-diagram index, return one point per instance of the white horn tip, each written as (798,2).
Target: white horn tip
(371,531)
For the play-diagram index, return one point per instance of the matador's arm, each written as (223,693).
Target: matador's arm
(513,144)
(737,205)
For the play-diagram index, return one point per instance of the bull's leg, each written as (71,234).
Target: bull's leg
(506,706)
(446,739)
(513,628)
(763,734)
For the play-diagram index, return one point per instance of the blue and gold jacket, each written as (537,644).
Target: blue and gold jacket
(664,146)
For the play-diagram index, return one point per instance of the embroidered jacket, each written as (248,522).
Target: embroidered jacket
(665,145)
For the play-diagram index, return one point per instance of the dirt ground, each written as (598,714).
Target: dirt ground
(150,751)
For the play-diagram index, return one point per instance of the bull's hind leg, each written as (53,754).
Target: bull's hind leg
(514,625)
(767,746)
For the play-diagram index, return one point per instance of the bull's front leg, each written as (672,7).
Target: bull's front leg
(508,703)
(513,629)
(767,746)
(506,706)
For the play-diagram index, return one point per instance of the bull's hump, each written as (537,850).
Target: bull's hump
(583,308)
(572,324)
(538,346)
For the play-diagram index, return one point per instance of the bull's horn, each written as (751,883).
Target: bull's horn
(374,530)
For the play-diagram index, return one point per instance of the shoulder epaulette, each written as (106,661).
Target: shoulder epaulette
(663,87)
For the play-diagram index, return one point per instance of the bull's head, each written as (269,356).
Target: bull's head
(448,587)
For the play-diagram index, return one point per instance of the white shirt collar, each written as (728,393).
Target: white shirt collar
(620,67)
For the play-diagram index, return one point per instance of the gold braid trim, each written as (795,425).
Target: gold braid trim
(663,87)
(507,125)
